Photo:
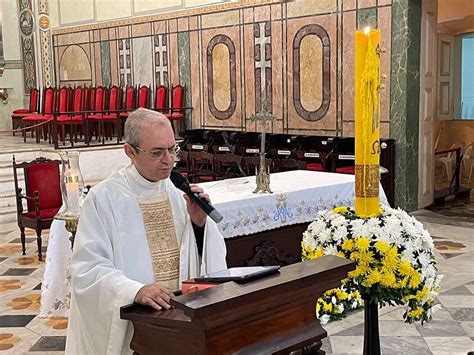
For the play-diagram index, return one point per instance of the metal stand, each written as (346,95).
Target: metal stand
(71,225)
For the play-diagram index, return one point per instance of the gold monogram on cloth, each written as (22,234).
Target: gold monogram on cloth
(161,235)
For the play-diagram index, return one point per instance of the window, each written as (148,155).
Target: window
(467,76)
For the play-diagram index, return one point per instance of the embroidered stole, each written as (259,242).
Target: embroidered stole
(161,235)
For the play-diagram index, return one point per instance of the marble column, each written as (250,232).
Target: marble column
(405,97)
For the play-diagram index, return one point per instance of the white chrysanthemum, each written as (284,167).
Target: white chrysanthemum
(428,273)
(340,308)
(324,237)
(334,299)
(433,310)
(339,220)
(427,241)
(354,305)
(317,227)
(310,242)
(324,319)
(330,250)
(359,228)
(340,233)
(408,255)
(424,259)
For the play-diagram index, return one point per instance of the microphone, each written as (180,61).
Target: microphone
(183,184)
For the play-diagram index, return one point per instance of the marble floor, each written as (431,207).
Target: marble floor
(450,332)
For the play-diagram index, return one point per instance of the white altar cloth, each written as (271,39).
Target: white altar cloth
(297,197)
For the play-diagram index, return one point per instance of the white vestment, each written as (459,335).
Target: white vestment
(111,259)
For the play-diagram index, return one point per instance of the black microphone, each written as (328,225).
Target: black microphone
(183,184)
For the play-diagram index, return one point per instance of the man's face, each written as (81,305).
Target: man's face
(152,138)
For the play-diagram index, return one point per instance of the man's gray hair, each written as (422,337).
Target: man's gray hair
(139,118)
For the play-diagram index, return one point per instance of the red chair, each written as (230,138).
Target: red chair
(143,96)
(177,110)
(33,108)
(161,98)
(42,195)
(73,120)
(129,104)
(97,103)
(114,99)
(177,103)
(46,116)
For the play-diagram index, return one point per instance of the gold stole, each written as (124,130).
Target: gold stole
(161,235)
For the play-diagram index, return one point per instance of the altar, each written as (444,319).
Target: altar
(259,229)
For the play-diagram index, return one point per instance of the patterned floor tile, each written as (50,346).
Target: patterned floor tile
(456,301)
(16,340)
(50,343)
(56,326)
(461,290)
(18,272)
(468,328)
(450,344)
(347,344)
(38,287)
(15,320)
(403,345)
(27,240)
(441,329)
(462,314)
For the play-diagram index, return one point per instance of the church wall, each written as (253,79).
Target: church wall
(295,59)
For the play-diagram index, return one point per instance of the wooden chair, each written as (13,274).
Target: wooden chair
(73,120)
(176,112)
(280,165)
(202,166)
(143,96)
(42,195)
(161,98)
(97,103)
(226,166)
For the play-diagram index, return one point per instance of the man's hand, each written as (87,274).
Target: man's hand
(195,212)
(154,295)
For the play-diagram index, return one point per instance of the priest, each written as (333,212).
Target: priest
(138,238)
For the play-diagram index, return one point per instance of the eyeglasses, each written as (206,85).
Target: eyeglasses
(158,153)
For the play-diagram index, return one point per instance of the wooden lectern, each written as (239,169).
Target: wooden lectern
(272,315)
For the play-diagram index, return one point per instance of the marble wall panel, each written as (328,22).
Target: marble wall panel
(104,34)
(249,74)
(248,15)
(348,128)
(183,24)
(367,17)
(173,58)
(277,70)
(114,72)
(105,64)
(349,21)
(97,64)
(184,57)
(193,22)
(173,25)
(113,33)
(142,29)
(142,61)
(366,3)
(159,27)
(225,18)
(349,5)
(384,2)
(276,12)
(196,71)
(70,38)
(328,121)
(124,31)
(74,64)
(232,33)
(311,7)
(262,13)
(384,20)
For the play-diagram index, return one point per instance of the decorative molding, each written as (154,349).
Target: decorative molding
(319,113)
(26,22)
(165,16)
(45,43)
(227,113)
(263,66)
(125,62)
(268,254)
(161,59)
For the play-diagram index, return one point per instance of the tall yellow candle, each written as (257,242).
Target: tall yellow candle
(367,123)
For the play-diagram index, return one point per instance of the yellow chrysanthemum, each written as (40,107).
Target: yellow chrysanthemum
(414,280)
(374,277)
(354,256)
(348,245)
(366,257)
(341,295)
(416,313)
(383,247)
(341,254)
(390,262)
(388,279)
(317,253)
(341,210)
(362,243)
(360,270)
(327,307)
(405,268)
(318,306)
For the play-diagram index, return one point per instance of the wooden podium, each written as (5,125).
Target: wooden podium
(272,315)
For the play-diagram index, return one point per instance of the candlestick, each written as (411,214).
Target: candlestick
(367,123)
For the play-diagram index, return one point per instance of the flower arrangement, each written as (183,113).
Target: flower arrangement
(394,259)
